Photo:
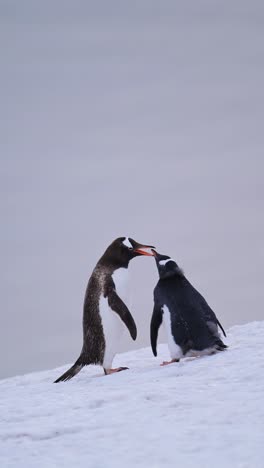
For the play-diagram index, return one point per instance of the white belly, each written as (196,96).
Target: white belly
(175,350)
(113,326)
(121,280)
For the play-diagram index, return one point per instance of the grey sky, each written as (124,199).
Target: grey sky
(140,118)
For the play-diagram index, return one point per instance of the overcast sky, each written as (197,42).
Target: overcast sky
(142,119)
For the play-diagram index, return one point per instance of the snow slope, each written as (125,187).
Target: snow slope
(205,412)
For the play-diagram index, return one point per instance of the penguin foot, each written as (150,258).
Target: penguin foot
(113,371)
(166,363)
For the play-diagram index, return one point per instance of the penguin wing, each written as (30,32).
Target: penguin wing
(118,306)
(208,314)
(156,321)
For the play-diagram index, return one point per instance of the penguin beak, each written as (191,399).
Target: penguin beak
(140,248)
(156,255)
(143,252)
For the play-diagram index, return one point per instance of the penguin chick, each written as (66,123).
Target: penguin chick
(191,325)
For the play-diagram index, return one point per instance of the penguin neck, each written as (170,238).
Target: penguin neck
(113,264)
(112,260)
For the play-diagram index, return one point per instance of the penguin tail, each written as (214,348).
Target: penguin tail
(219,324)
(70,373)
(220,346)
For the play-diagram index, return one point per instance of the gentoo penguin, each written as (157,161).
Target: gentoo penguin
(191,325)
(105,314)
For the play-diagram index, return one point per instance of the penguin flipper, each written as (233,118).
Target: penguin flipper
(118,306)
(208,313)
(156,321)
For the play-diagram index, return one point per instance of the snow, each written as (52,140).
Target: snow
(205,412)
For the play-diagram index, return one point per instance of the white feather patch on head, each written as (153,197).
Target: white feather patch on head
(127,243)
(163,262)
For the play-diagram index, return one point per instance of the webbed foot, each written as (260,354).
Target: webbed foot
(113,371)
(166,363)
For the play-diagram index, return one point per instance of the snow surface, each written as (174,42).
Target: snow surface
(205,412)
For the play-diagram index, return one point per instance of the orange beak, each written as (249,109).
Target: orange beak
(143,252)
(140,248)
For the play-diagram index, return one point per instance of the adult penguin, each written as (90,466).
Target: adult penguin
(105,313)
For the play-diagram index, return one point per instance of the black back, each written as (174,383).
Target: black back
(188,322)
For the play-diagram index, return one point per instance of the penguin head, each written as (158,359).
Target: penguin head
(166,265)
(124,249)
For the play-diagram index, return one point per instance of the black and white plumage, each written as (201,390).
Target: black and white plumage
(191,325)
(105,313)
